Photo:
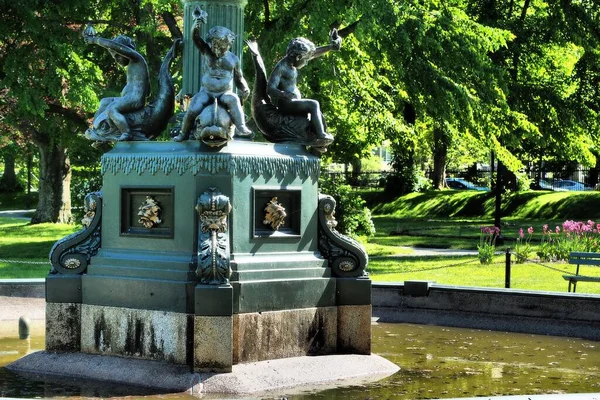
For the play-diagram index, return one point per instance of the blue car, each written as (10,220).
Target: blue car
(463,184)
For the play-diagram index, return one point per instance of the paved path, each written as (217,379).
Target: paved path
(24,214)
(427,252)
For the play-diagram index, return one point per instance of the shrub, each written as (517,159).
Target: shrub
(523,247)
(575,236)
(84,181)
(487,244)
(352,214)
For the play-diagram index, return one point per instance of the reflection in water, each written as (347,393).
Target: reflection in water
(436,362)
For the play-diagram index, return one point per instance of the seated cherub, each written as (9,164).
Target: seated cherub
(133,95)
(282,86)
(222,69)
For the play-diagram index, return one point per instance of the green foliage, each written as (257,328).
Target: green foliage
(18,200)
(84,181)
(523,247)
(487,244)
(351,213)
(51,80)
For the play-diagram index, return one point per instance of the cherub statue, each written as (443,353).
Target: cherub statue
(133,95)
(222,70)
(282,83)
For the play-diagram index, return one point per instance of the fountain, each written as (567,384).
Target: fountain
(204,256)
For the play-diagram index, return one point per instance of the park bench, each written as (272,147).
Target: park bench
(582,259)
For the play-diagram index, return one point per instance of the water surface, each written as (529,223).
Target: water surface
(435,362)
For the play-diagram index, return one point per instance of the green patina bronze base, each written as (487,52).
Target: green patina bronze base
(163,204)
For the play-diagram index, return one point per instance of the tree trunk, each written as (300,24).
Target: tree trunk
(440,153)
(54,203)
(8,182)
(356,171)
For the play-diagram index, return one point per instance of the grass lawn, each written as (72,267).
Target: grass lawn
(467,271)
(456,204)
(20,241)
(393,232)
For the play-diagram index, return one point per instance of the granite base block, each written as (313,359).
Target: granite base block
(354,329)
(63,324)
(280,334)
(213,344)
(146,334)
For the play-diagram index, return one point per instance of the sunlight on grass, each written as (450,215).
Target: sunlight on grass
(20,240)
(465,204)
(467,271)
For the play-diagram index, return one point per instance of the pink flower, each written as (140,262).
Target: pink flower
(530,230)
(521,234)
(557,229)
(545,228)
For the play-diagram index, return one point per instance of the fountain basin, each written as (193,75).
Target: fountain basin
(249,378)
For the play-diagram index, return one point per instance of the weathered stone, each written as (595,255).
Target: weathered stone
(147,334)
(63,321)
(354,329)
(213,344)
(280,334)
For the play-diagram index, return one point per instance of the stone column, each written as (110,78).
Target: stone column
(227,13)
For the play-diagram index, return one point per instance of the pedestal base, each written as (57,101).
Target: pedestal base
(280,334)
(146,334)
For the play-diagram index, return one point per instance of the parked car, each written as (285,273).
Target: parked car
(569,185)
(547,185)
(463,184)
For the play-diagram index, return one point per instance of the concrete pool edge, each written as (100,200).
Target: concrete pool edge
(423,302)
(510,310)
(34,287)
(318,372)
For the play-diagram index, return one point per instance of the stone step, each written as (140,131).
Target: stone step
(287,273)
(140,271)
(276,261)
(148,259)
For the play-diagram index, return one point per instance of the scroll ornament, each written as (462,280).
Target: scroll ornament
(347,257)
(72,254)
(213,240)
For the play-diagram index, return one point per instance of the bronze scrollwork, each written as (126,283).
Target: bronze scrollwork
(213,240)
(347,257)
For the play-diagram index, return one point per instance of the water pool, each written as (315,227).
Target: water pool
(435,362)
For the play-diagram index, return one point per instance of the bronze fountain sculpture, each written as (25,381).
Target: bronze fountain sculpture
(128,117)
(278,109)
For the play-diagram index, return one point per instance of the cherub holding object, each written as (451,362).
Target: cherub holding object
(283,80)
(133,95)
(223,68)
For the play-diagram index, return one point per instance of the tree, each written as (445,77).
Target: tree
(54,81)
(549,81)
(430,57)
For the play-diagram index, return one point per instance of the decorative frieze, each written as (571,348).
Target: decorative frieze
(122,163)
